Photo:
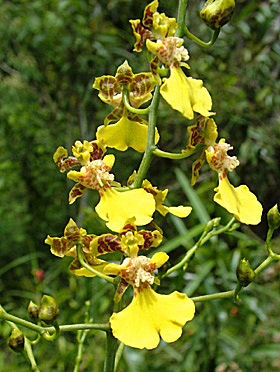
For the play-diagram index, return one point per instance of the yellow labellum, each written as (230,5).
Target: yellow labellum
(151,315)
(186,94)
(239,201)
(117,207)
(125,133)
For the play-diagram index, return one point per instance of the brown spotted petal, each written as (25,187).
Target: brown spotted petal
(151,238)
(140,33)
(72,232)
(77,191)
(129,226)
(98,150)
(124,75)
(106,243)
(121,288)
(149,13)
(59,246)
(141,87)
(86,240)
(62,160)
(109,89)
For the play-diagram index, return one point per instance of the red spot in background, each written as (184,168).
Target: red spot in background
(39,275)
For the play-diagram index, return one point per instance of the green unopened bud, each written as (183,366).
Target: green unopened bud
(216,13)
(212,224)
(245,274)
(33,311)
(273,218)
(48,309)
(16,340)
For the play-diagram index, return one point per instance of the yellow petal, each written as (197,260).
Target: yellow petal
(186,94)
(239,201)
(109,160)
(159,259)
(112,269)
(77,269)
(125,133)
(150,315)
(117,207)
(180,211)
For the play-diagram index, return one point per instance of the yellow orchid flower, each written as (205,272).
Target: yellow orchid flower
(182,93)
(160,196)
(130,130)
(66,246)
(149,315)
(155,26)
(239,201)
(115,206)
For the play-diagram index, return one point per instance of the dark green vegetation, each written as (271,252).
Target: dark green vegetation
(50,53)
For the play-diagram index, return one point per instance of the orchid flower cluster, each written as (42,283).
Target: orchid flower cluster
(126,208)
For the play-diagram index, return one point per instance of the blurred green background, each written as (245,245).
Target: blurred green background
(50,53)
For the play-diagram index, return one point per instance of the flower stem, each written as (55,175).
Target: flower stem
(194,38)
(148,155)
(89,268)
(111,349)
(232,293)
(181,18)
(170,155)
(41,330)
(119,355)
(202,240)
(130,108)
(27,344)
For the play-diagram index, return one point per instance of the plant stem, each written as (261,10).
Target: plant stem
(130,108)
(27,344)
(214,296)
(170,155)
(119,355)
(89,268)
(148,155)
(111,348)
(181,18)
(194,38)
(231,293)
(41,330)
(81,339)
(202,240)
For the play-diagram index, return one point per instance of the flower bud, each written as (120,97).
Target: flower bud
(212,224)
(33,311)
(16,340)
(245,274)
(216,13)
(48,309)
(273,218)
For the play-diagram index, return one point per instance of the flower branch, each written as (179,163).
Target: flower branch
(170,155)
(148,155)
(41,330)
(206,235)
(198,41)
(89,268)
(125,96)
(233,293)
(27,343)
